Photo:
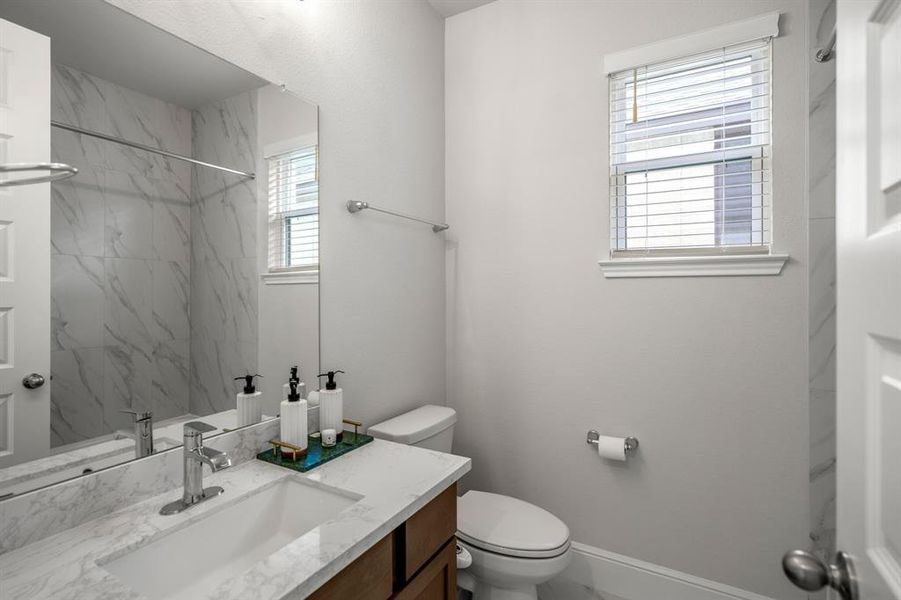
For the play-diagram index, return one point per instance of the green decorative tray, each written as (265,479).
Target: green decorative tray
(316,455)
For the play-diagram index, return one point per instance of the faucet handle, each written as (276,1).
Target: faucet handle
(197,428)
(139,415)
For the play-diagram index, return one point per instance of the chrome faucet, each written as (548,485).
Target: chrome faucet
(195,456)
(143,432)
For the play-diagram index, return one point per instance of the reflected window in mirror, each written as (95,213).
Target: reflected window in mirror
(294,210)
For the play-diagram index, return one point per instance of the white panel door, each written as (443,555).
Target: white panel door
(869,292)
(24,246)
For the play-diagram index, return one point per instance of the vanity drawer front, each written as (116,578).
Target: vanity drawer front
(437,581)
(367,578)
(426,532)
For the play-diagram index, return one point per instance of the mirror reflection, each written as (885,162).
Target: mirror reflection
(194,206)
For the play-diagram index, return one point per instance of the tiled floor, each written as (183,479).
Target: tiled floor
(561,589)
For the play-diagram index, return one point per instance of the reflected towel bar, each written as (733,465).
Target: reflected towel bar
(355,206)
(56,172)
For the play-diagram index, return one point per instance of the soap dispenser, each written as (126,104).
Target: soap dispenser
(331,405)
(293,420)
(249,402)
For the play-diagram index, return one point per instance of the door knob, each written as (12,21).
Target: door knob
(809,573)
(33,381)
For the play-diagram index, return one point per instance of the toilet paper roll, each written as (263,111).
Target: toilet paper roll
(613,448)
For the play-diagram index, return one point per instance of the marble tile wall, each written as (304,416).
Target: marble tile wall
(822,387)
(120,271)
(224,286)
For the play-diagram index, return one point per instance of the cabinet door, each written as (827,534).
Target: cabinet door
(367,578)
(426,532)
(437,581)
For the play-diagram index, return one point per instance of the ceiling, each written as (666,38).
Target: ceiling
(449,8)
(102,40)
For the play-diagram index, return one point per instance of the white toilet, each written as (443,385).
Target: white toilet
(514,545)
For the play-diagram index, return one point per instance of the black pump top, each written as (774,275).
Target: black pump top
(248,383)
(330,384)
(294,376)
(293,396)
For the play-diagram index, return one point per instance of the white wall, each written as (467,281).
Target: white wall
(376,71)
(709,373)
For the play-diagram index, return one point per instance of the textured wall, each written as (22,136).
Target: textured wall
(709,373)
(120,263)
(376,71)
(225,282)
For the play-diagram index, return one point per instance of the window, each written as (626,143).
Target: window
(294,211)
(690,155)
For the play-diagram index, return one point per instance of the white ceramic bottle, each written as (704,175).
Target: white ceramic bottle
(331,405)
(293,420)
(249,402)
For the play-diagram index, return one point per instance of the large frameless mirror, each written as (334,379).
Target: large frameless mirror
(181,256)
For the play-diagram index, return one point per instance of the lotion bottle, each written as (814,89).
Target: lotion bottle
(249,402)
(293,421)
(331,405)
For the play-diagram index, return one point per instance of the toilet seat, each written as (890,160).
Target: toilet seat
(509,526)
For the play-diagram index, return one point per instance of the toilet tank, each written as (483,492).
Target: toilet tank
(428,426)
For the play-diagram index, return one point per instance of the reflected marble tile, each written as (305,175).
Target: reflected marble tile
(171,379)
(170,305)
(214,365)
(225,132)
(243,299)
(77,99)
(129,216)
(210,306)
(150,121)
(223,218)
(77,213)
(128,379)
(128,313)
(77,286)
(76,395)
(172,223)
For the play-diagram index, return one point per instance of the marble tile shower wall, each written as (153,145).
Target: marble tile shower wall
(224,285)
(822,284)
(120,235)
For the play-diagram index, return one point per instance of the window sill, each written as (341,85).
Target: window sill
(694,266)
(291,278)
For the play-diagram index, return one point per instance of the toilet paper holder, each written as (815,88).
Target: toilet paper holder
(630,444)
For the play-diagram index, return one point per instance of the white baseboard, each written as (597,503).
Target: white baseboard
(613,574)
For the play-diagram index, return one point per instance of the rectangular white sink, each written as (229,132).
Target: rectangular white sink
(193,560)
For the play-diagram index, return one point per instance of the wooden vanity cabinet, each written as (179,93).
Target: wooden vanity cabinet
(417,561)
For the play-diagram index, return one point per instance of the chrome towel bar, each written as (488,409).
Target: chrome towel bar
(355,206)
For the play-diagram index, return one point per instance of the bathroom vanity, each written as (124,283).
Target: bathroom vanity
(376,523)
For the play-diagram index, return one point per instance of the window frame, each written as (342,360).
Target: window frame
(299,274)
(680,261)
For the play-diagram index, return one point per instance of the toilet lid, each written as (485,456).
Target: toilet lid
(509,526)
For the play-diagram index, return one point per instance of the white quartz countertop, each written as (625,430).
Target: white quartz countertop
(393,480)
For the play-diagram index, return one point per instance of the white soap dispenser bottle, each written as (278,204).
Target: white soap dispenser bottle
(249,402)
(331,405)
(293,421)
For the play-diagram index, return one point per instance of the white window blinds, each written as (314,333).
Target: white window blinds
(294,210)
(690,154)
